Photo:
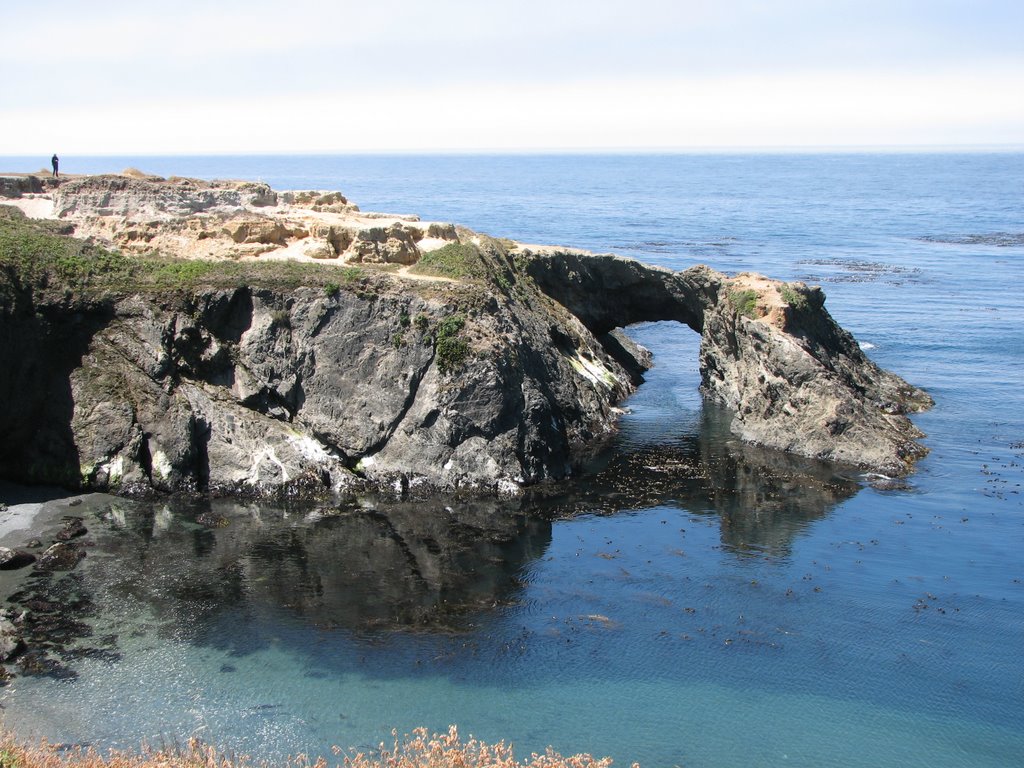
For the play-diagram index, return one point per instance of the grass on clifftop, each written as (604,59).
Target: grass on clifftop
(37,255)
(418,750)
(744,302)
(792,297)
(459,261)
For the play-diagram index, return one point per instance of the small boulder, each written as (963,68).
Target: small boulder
(62,556)
(73,528)
(11,643)
(391,245)
(320,249)
(12,559)
(442,231)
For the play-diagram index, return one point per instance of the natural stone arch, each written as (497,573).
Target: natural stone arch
(608,292)
(769,351)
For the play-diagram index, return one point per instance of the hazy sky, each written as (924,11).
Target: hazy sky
(227,76)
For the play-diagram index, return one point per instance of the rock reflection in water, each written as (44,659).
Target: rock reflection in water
(418,565)
(194,570)
(762,497)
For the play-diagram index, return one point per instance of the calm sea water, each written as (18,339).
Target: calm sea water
(692,601)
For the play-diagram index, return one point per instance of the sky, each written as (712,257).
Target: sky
(311,76)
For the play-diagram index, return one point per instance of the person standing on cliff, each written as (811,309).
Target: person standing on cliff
(54,162)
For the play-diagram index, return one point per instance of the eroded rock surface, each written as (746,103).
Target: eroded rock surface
(11,643)
(191,218)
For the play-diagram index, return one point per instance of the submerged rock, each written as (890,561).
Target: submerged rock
(73,528)
(60,557)
(11,643)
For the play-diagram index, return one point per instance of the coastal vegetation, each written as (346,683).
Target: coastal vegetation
(451,349)
(744,302)
(485,259)
(420,749)
(459,261)
(41,257)
(795,300)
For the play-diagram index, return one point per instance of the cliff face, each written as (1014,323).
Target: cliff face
(505,376)
(800,383)
(259,391)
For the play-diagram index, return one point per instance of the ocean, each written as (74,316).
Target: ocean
(689,602)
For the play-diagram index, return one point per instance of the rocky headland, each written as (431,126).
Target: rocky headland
(162,335)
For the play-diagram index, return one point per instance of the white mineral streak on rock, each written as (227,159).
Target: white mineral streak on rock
(162,467)
(592,371)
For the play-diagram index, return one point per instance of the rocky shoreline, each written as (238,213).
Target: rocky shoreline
(411,357)
(41,542)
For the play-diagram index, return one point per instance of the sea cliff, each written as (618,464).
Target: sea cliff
(161,335)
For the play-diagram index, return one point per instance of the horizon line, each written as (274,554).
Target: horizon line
(681,150)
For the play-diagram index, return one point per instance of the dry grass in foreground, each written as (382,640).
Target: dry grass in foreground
(421,749)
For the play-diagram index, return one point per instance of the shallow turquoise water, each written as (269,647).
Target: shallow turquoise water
(693,602)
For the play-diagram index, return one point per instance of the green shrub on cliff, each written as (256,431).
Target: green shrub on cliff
(458,261)
(792,297)
(183,272)
(450,350)
(34,256)
(744,302)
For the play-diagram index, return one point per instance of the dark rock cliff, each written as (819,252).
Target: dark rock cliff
(259,390)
